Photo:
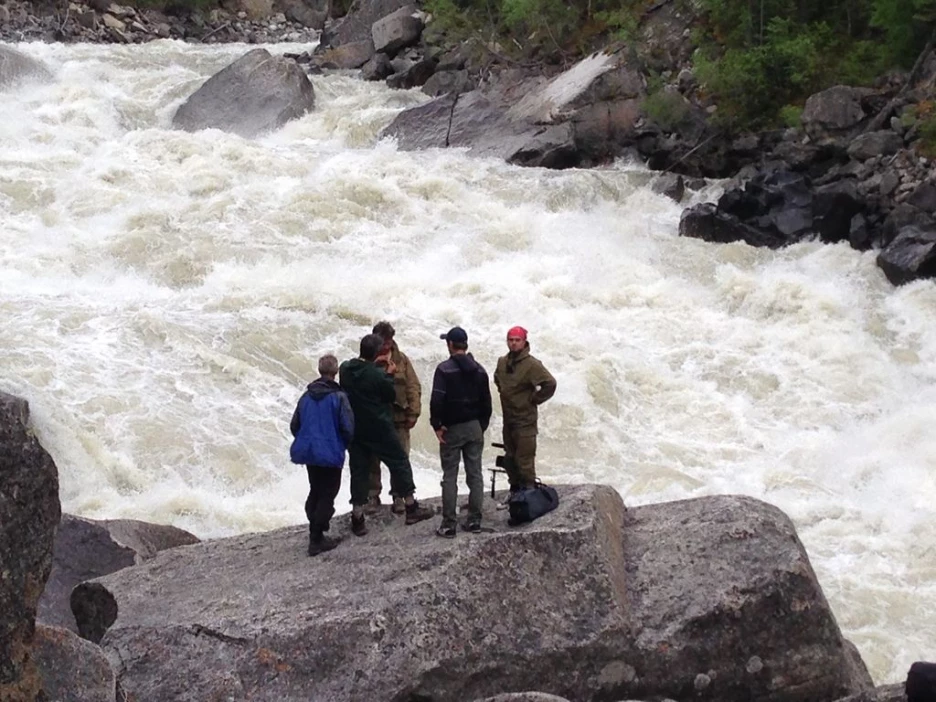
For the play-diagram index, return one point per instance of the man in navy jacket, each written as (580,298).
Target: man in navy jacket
(323,426)
(459,412)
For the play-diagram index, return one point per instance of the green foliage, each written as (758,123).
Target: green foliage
(752,85)
(622,23)
(790,115)
(923,117)
(538,26)
(668,110)
(906,24)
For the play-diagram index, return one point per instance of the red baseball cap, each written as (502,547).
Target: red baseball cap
(517,331)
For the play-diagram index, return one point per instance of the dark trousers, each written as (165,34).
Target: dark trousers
(465,440)
(376,486)
(324,483)
(388,450)
(520,450)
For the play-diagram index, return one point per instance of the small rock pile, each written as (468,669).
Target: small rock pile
(101,21)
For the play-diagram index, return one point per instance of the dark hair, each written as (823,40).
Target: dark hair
(370,346)
(385,329)
(459,345)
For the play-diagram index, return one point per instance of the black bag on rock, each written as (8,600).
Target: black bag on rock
(921,682)
(527,504)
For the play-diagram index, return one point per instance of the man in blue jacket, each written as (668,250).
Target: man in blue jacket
(323,426)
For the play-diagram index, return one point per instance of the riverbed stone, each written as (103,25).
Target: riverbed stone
(257,93)
(72,669)
(592,601)
(85,549)
(29,513)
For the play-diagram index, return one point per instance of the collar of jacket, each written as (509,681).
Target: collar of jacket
(513,359)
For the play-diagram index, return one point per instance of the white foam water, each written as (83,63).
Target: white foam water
(165,296)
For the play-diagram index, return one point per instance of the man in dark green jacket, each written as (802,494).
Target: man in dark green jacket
(371,392)
(524,384)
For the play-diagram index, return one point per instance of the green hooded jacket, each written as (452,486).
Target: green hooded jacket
(524,384)
(370,391)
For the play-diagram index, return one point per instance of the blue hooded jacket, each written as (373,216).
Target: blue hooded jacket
(323,426)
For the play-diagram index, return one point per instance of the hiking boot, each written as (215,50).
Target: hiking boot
(446,532)
(399,506)
(415,513)
(321,546)
(505,503)
(358,526)
(372,506)
(473,526)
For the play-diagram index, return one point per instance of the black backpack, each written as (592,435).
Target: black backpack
(527,504)
(921,682)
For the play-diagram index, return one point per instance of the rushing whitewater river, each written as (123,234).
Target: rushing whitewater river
(164,297)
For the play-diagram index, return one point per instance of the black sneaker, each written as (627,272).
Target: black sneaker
(415,513)
(446,532)
(321,546)
(358,526)
(472,526)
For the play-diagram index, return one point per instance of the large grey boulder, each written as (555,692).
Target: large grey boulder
(71,668)
(397,30)
(834,112)
(29,513)
(85,549)
(910,256)
(257,93)
(17,67)
(711,598)
(357,24)
(574,118)
(880,143)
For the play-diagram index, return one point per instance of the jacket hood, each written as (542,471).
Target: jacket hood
(322,387)
(465,362)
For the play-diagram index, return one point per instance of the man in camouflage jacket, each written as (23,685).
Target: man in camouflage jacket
(524,384)
(406,407)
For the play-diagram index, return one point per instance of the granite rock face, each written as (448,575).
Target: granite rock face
(29,513)
(711,598)
(86,548)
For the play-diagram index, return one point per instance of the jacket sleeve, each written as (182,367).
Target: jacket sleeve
(413,392)
(484,400)
(345,418)
(542,379)
(296,420)
(437,398)
(385,388)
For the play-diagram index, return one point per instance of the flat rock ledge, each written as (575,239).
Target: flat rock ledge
(711,598)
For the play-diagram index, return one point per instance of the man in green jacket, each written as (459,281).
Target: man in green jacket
(370,391)
(405,406)
(524,384)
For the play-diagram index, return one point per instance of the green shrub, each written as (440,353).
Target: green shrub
(668,110)
(751,85)
(791,116)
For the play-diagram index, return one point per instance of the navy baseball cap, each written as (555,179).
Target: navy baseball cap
(456,335)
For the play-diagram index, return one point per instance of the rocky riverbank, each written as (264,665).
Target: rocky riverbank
(102,21)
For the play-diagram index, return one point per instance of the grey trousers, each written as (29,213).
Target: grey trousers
(466,441)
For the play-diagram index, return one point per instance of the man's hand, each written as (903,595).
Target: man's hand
(440,434)
(391,366)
